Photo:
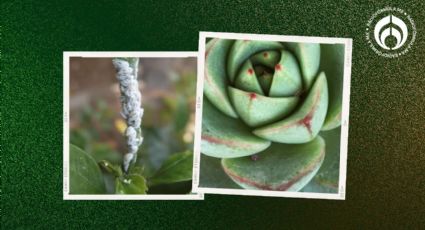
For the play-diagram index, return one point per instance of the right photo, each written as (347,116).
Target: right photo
(274,115)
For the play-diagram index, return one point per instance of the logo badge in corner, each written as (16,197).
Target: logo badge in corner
(390,32)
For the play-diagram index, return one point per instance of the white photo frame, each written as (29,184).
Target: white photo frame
(66,122)
(344,116)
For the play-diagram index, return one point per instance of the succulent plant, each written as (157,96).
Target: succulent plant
(272,112)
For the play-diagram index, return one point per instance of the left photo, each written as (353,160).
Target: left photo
(129,121)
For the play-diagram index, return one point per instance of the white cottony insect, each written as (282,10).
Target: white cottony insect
(131,110)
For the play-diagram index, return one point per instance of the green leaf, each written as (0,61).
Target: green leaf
(266,58)
(177,168)
(130,184)
(111,168)
(281,167)
(304,124)
(211,174)
(257,110)
(327,178)
(332,62)
(226,137)
(242,50)
(247,79)
(265,80)
(215,78)
(308,55)
(287,79)
(85,175)
(137,170)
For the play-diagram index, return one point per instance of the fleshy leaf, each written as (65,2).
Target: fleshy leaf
(212,175)
(265,82)
(287,79)
(305,123)
(327,178)
(332,62)
(308,55)
(266,58)
(255,109)
(130,184)
(242,50)
(85,175)
(247,79)
(177,168)
(264,76)
(225,137)
(260,70)
(215,79)
(281,167)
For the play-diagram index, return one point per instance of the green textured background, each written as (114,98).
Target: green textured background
(386,152)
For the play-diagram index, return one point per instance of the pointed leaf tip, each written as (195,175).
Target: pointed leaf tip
(247,79)
(287,79)
(251,107)
(308,55)
(242,50)
(305,123)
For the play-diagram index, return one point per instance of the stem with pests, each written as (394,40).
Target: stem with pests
(131,111)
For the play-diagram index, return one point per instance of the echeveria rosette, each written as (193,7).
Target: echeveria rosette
(266,105)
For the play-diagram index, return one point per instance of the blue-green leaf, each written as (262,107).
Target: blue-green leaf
(225,137)
(327,178)
(281,167)
(305,123)
(332,62)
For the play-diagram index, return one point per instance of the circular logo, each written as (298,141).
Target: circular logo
(390,32)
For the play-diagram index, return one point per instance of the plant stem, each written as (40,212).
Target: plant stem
(131,111)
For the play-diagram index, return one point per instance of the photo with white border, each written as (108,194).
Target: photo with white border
(121,82)
(259,131)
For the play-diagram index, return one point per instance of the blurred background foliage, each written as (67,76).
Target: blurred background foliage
(168,88)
